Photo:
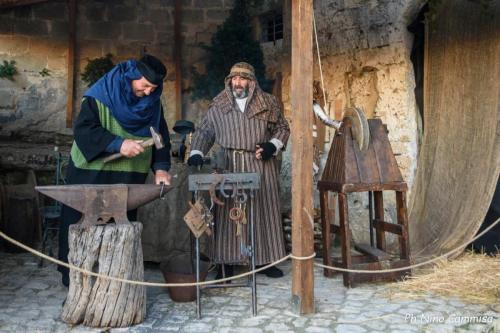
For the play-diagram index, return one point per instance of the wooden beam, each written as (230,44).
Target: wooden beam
(71,63)
(376,254)
(16,3)
(302,156)
(178,58)
(388,227)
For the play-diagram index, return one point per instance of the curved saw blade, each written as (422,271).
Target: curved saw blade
(359,125)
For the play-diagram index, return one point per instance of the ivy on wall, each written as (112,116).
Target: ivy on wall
(8,70)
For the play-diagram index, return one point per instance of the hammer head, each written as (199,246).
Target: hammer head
(157,139)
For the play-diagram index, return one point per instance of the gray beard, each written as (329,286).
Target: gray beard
(240,95)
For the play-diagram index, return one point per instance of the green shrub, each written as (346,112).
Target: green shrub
(232,42)
(96,68)
(8,70)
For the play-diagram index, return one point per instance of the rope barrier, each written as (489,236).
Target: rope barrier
(143,283)
(302,258)
(158,284)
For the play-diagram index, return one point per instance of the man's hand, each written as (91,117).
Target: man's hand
(131,148)
(265,151)
(195,160)
(162,176)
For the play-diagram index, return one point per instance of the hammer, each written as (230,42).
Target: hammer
(156,140)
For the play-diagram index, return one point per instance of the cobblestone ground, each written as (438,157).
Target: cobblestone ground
(31,298)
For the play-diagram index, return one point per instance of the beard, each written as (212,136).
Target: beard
(240,92)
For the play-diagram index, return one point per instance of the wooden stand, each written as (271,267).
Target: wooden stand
(374,170)
(372,258)
(114,250)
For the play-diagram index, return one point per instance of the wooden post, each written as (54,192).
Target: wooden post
(178,58)
(326,220)
(378,199)
(71,63)
(404,241)
(302,155)
(345,236)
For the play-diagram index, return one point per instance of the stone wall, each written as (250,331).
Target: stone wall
(36,38)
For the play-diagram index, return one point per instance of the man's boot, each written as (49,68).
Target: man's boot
(228,270)
(272,272)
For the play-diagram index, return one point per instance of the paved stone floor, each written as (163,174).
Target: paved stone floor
(31,298)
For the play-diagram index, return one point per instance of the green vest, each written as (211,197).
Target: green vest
(140,163)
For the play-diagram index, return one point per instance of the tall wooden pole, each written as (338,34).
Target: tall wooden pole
(302,155)
(71,63)
(178,58)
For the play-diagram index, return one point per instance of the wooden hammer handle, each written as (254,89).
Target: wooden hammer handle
(143,144)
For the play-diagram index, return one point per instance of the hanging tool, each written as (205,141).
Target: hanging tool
(199,218)
(217,179)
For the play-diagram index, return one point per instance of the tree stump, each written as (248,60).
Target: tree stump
(113,250)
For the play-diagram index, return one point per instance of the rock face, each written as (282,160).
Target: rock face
(365,54)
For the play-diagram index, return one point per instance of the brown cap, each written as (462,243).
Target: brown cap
(242,69)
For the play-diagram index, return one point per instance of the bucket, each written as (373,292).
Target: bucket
(181,269)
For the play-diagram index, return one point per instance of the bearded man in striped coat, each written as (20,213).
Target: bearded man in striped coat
(250,128)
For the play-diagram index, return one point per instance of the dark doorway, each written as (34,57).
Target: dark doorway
(489,243)
(417,28)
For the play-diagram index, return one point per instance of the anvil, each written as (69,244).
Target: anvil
(100,203)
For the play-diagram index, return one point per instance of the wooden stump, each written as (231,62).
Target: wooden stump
(113,250)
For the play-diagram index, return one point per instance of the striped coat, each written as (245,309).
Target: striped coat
(233,130)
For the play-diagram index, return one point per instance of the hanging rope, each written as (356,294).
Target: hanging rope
(319,61)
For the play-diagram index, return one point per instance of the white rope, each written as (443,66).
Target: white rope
(157,284)
(319,61)
(142,283)
(303,258)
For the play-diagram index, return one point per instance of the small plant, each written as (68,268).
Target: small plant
(96,68)
(44,72)
(8,70)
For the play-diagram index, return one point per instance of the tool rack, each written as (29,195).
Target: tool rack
(249,183)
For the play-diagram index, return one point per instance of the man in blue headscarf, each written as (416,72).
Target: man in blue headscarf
(116,114)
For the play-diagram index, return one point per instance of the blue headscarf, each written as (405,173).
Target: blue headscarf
(134,114)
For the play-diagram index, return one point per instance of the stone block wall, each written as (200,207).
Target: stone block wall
(36,37)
